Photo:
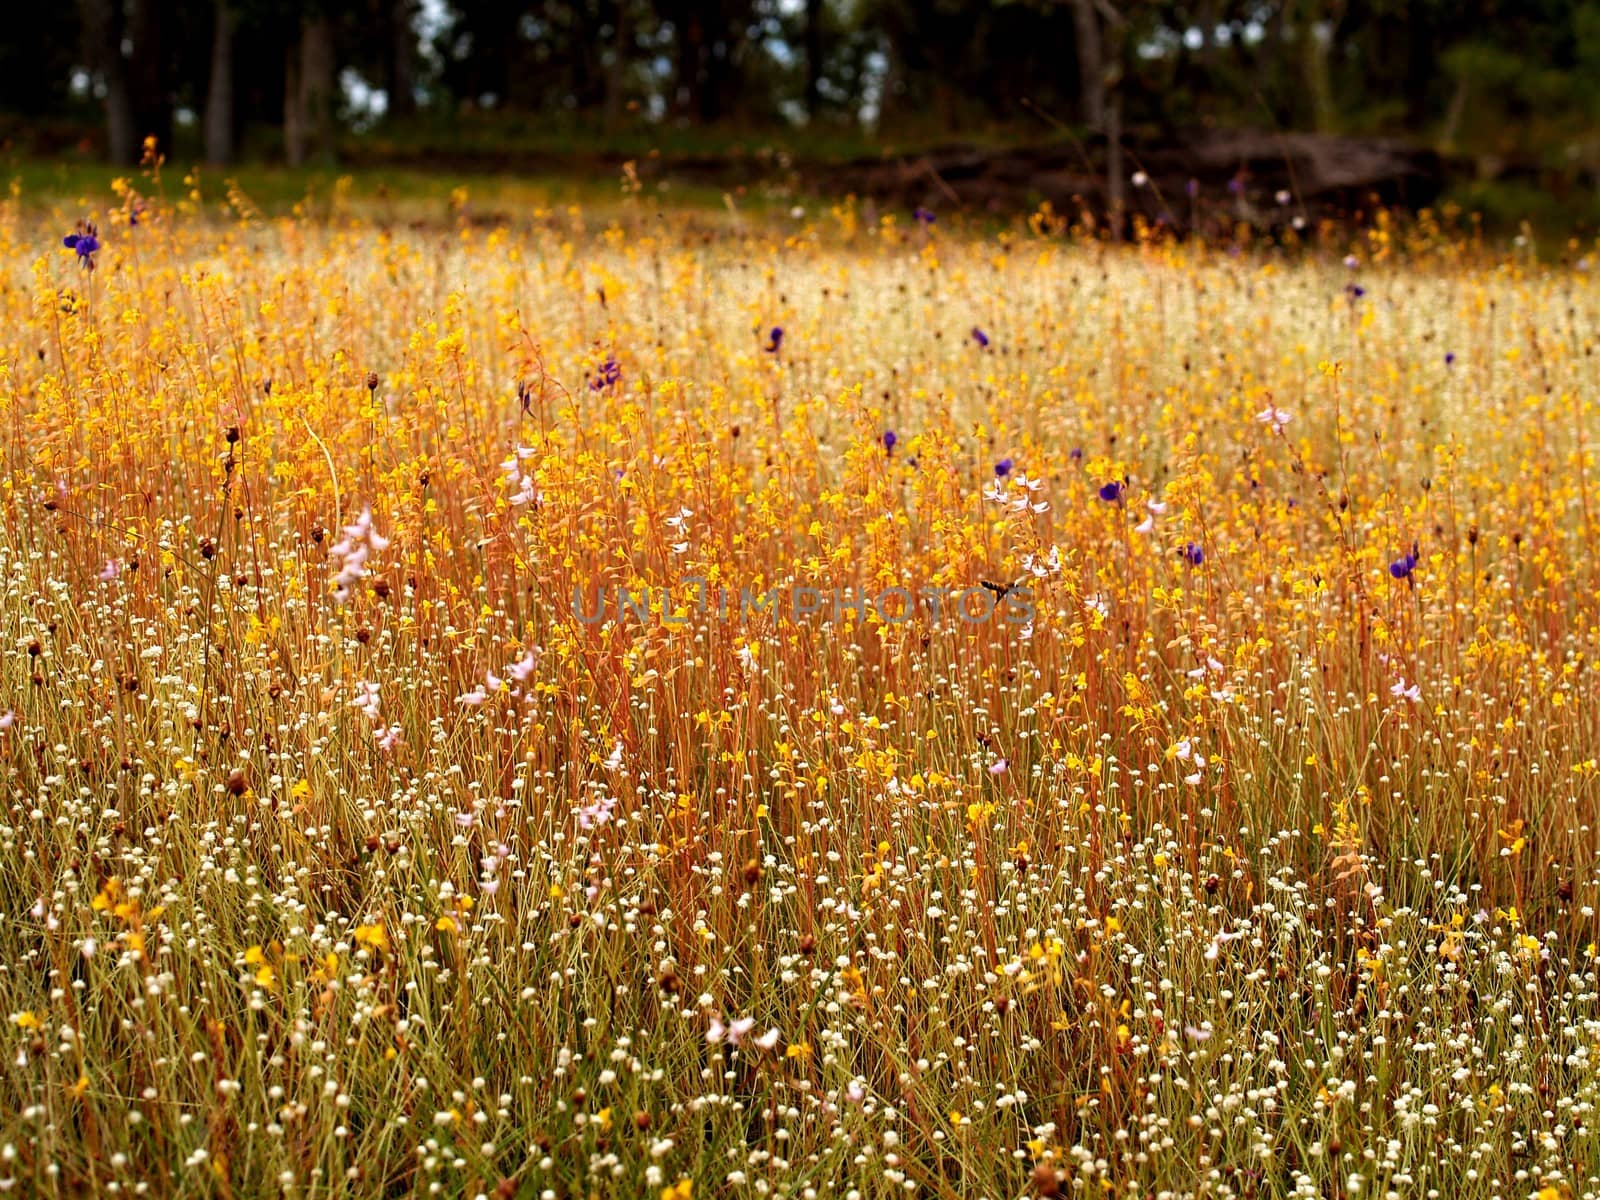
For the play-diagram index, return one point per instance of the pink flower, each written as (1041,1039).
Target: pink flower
(523,670)
(1412,693)
(733,1033)
(1275,417)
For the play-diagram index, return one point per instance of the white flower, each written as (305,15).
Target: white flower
(1051,565)
(769,1039)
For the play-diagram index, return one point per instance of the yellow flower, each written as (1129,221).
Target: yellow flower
(373,937)
(26,1020)
(108,896)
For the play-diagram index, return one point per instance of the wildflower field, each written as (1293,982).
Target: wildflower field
(633,703)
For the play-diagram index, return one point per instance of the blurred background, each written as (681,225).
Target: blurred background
(1274,108)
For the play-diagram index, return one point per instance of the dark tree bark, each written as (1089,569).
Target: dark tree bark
(103,36)
(219,122)
(294,120)
(616,74)
(813,39)
(1091,65)
(148,71)
(402,82)
(317,96)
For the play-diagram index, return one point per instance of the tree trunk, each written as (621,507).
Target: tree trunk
(616,71)
(1453,115)
(317,95)
(813,57)
(402,60)
(219,92)
(294,120)
(102,24)
(1316,46)
(1116,183)
(691,65)
(148,71)
(1208,43)
(1091,66)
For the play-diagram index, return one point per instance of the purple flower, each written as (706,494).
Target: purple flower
(1003,468)
(1111,492)
(1077,453)
(1402,567)
(776,343)
(924,217)
(609,374)
(1355,290)
(889,439)
(85,242)
(1193,554)
(1192,188)
(1236,185)
(1450,359)
(980,337)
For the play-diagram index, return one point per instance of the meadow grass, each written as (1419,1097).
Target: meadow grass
(1211,812)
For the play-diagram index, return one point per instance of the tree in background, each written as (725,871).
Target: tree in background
(1509,81)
